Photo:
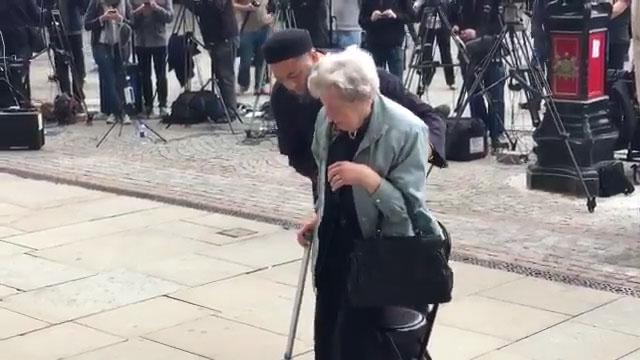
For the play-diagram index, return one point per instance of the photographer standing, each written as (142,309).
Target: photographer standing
(255,25)
(72,58)
(150,19)
(384,24)
(15,18)
(109,23)
(478,21)
(220,34)
(619,37)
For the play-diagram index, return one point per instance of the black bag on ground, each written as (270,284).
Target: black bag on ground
(194,107)
(613,180)
(405,271)
(466,139)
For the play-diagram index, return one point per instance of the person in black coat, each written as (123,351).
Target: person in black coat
(17,19)
(480,20)
(219,29)
(384,24)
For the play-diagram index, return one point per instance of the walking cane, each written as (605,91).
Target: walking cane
(295,316)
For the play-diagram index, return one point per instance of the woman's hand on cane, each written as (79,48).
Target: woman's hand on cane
(304,235)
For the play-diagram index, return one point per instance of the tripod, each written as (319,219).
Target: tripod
(525,72)
(421,62)
(284,19)
(191,44)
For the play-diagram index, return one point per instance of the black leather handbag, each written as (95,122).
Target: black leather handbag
(406,271)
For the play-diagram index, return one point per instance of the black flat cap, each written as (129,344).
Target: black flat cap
(286,44)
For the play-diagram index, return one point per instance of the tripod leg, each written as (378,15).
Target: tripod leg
(154,132)
(104,137)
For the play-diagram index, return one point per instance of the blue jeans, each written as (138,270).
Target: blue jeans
(391,57)
(494,117)
(250,47)
(343,39)
(112,78)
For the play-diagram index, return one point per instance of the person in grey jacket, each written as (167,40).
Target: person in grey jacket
(150,19)
(370,156)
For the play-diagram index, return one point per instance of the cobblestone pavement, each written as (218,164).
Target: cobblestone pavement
(493,219)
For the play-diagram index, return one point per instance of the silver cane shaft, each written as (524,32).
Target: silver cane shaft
(295,316)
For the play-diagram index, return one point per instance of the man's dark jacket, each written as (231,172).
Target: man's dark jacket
(15,18)
(296,117)
(480,15)
(217,19)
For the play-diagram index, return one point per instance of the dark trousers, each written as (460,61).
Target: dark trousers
(618,53)
(159,57)
(251,48)
(223,56)
(72,61)
(441,37)
(493,117)
(388,57)
(112,78)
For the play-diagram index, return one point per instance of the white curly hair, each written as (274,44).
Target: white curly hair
(352,71)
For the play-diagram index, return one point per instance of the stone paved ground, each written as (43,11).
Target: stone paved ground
(494,220)
(88,275)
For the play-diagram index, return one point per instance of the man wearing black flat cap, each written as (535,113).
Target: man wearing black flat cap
(291,56)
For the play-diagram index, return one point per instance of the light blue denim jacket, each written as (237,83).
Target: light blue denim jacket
(395,146)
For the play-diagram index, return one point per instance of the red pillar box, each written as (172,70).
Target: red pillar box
(577,73)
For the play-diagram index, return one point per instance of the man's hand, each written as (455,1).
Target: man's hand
(376,15)
(389,14)
(154,5)
(304,235)
(468,34)
(111,15)
(269,18)
(345,173)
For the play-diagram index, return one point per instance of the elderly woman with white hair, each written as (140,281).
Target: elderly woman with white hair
(372,166)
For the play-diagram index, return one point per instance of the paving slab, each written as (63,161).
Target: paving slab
(131,249)
(10,213)
(16,324)
(222,221)
(633,356)
(11,249)
(83,211)
(42,195)
(7,231)
(574,341)
(145,317)
(101,227)
(270,310)
(264,251)
(193,269)
(26,272)
(284,274)
(621,315)
(56,342)
(80,298)
(471,279)
(133,349)
(541,294)
(222,339)
(6,291)
(456,344)
(496,318)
